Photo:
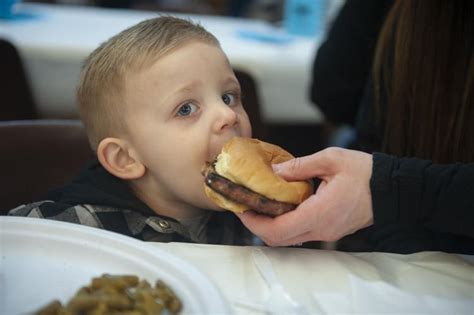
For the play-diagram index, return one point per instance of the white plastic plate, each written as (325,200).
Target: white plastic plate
(42,260)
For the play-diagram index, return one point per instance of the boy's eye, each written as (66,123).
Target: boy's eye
(228,98)
(187,109)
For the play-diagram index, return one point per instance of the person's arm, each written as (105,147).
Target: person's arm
(342,64)
(414,192)
(359,189)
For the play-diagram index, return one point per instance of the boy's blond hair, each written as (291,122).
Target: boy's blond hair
(99,93)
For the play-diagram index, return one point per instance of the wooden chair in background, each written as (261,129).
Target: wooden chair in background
(37,155)
(16,99)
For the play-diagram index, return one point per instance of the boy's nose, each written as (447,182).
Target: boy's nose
(226,118)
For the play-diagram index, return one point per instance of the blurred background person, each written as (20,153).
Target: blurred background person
(401,73)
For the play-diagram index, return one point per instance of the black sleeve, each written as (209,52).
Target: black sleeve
(414,192)
(343,61)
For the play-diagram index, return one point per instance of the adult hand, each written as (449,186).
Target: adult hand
(341,205)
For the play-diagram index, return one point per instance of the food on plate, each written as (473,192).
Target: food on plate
(241,178)
(118,294)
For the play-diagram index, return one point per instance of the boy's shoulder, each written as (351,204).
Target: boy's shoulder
(223,228)
(104,217)
(124,221)
(48,209)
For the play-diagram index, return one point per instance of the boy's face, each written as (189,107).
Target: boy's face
(180,112)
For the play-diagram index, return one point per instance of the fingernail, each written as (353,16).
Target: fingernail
(276,168)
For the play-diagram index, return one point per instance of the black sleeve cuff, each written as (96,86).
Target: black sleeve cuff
(384,201)
(397,189)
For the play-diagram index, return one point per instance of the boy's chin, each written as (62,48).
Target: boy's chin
(214,207)
(218,209)
(210,205)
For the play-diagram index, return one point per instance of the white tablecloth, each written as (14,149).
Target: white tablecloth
(57,38)
(45,259)
(335,282)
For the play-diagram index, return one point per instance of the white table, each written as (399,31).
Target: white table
(321,279)
(55,42)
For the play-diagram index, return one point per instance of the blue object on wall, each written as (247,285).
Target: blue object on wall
(6,8)
(304,17)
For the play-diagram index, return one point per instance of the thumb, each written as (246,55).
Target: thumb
(305,167)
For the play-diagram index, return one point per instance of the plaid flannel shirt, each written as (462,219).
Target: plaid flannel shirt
(214,228)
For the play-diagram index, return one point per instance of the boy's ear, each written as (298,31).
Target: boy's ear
(119,159)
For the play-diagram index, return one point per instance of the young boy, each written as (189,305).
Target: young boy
(158,101)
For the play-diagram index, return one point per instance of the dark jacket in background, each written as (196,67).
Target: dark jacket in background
(342,65)
(341,86)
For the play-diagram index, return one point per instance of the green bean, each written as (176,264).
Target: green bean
(118,295)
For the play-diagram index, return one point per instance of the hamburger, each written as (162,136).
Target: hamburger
(241,178)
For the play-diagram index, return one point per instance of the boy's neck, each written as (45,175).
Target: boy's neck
(178,214)
(178,211)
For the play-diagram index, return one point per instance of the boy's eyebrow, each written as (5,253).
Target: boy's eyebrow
(230,80)
(187,88)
